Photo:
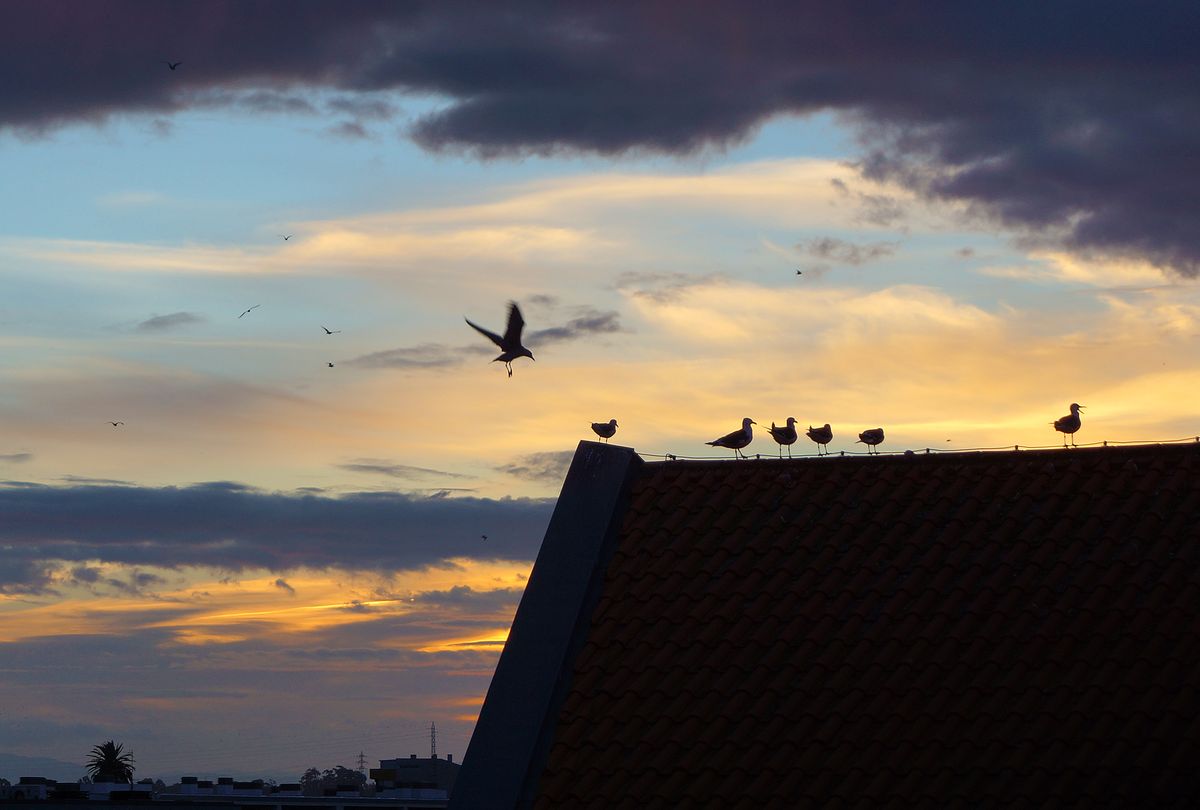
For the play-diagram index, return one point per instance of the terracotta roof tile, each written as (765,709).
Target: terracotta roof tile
(957,630)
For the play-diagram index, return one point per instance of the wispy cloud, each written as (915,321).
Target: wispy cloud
(393,470)
(424,356)
(591,322)
(829,248)
(282,584)
(15,458)
(161,323)
(544,467)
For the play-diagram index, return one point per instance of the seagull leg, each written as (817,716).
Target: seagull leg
(509,367)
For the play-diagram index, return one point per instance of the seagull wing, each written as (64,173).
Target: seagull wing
(492,336)
(512,332)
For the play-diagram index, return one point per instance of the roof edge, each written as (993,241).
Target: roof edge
(515,729)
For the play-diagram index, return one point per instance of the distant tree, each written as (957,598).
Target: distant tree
(310,782)
(110,762)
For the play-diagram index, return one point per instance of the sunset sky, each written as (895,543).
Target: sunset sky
(273,563)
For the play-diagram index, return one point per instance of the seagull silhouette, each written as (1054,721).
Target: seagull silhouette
(1067,425)
(256,306)
(737,440)
(871,438)
(330,365)
(484,536)
(510,344)
(114,424)
(172,65)
(785,435)
(286,237)
(329,331)
(822,436)
(605,430)
(799,272)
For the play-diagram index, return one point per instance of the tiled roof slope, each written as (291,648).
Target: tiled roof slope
(958,630)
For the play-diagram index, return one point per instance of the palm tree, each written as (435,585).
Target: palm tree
(110,763)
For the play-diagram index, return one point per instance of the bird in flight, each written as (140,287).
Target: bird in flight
(605,430)
(785,435)
(510,343)
(330,365)
(871,438)
(172,65)
(329,331)
(799,272)
(256,306)
(286,237)
(737,440)
(114,424)
(484,536)
(1067,425)
(822,436)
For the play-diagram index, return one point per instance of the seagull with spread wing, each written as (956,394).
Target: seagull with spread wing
(510,343)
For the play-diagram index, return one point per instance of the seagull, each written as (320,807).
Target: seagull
(285,237)
(605,430)
(484,536)
(510,344)
(329,331)
(1067,425)
(822,436)
(871,438)
(256,306)
(799,272)
(785,435)
(172,65)
(114,424)
(737,440)
(330,365)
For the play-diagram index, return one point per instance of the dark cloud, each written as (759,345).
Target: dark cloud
(16,458)
(546,467)
(843,252)
(352,130)
(232,527)
(160,323)
(965,252)
(282,584)
(591,322)
(381,467)
(1067,122)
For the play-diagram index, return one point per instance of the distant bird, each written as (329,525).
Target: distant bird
(1067,425)
(286,236)
(256,306)
(329,331)
(484,536)
(330,365)
(822,436)
(114,424)
(172,65)
(605,430)
(871,438)
(510,344)
(737,440)
(785,435)
(799,272)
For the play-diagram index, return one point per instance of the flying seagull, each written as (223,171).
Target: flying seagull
(799,272)
(822,436)
(256,306)
(484,536)
(737,440)
(605,430)
(871,438)
(285,237)
(330,365)
(329,331)
(510,344)
(1067,425)
(114,424)
(785,435)
(172,65)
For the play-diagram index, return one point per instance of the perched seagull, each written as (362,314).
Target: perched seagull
(737,440)
(256,306)
(1067,425)
(329,331)
(785,435)
(172,65)
(871,438)
(605,430)
(822,436)
(510,344)
(114,424)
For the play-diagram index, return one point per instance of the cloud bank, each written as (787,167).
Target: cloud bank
(1065,122)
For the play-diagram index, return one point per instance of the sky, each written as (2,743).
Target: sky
(274,563)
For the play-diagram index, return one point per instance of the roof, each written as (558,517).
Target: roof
(960,628)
